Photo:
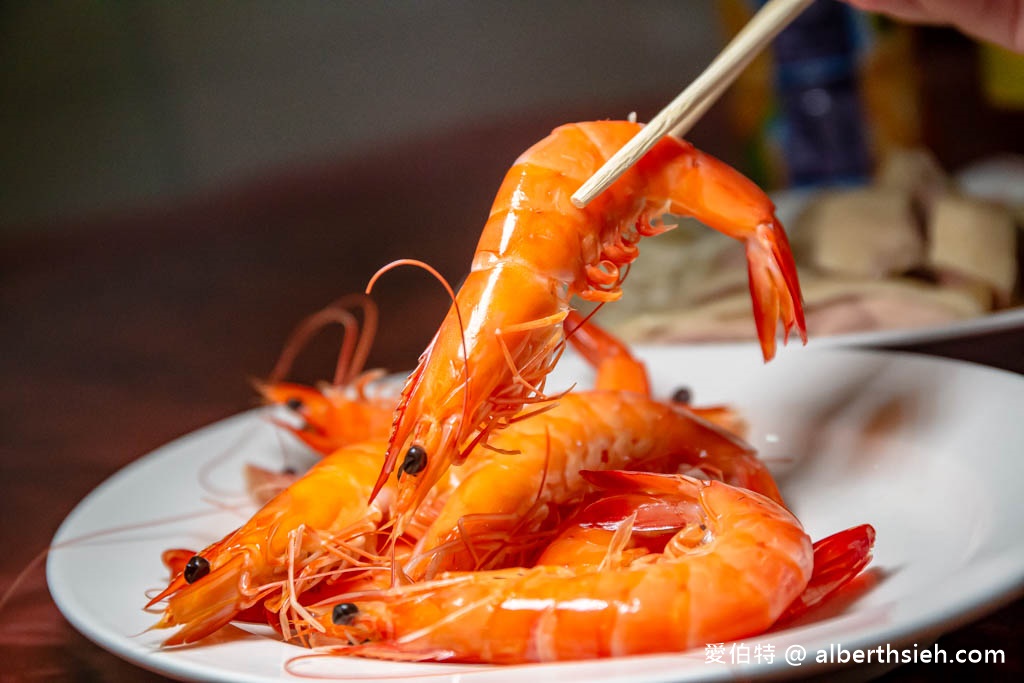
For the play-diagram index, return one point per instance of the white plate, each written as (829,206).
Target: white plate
(926,450)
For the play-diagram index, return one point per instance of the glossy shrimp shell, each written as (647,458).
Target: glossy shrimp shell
(615,529)
(503,334)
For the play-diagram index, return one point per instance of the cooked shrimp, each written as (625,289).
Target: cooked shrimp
(354,407)
(503,333)
(509,493)
(736,566)
(334,416)
(320,521)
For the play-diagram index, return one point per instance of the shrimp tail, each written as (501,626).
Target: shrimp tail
(774,288)
(838,559)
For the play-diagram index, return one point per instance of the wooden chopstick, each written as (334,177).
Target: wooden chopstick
(681,113)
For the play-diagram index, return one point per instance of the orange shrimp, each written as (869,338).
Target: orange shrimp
(510,492)
(321,521)
(348,410)
(729,574)
(503,333)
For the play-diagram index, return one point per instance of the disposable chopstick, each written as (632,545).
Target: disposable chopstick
(687,108)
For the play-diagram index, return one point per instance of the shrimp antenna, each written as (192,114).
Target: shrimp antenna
(357,361)
(440,278)
(305,331)
(355,347)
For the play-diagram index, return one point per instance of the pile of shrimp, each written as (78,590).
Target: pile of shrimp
(473,517)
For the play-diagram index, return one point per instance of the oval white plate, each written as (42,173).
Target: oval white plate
(926,450)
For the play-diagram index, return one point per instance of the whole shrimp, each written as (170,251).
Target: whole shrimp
(503,333)
(728,574)
(321,521)
(514,490)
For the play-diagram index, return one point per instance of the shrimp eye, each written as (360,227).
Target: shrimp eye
(195,569)
(294,403)
(682,395)
(344,613)
(415,460)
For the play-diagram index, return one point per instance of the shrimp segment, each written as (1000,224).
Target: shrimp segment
(838,559)
(321,520)
(503,334)
(735,567)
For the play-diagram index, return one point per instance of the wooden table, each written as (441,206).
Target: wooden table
(127,331)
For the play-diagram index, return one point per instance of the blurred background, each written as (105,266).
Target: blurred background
(110,105)
(120,105)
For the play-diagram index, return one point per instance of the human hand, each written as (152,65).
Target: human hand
(997,21)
